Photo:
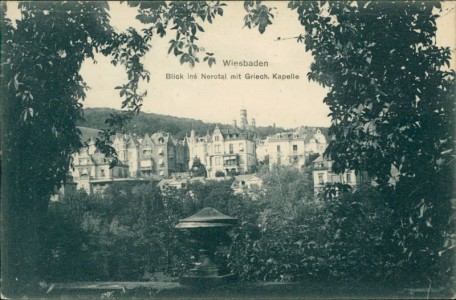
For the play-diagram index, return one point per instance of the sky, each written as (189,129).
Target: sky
(287,103)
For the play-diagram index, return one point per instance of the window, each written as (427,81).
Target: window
(231,149)
(102,173)
(217,138)
(278,148)
(349,178)
(241,147)
(295,148)
(320,178)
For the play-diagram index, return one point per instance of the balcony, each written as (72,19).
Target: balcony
(320,167)
(230,160)
(230,164)
(146,165)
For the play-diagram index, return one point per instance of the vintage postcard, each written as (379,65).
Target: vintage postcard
(277,149)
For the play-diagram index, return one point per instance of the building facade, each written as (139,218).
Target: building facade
(225,152)
(291,148)
(151,157)
(160,154)
(89,166)
(323,174)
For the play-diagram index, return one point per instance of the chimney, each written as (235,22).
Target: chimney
(234,124)
(253,122)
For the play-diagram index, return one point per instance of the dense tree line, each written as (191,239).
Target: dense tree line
(128,231)
(391,96)
(284,233)
(148,122)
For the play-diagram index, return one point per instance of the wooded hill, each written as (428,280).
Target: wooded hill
(150,122)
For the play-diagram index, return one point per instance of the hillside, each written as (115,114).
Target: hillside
(150,122)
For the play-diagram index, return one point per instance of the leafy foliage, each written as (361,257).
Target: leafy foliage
(284,234)
(391,96)
(129,230)
(258,15)
(184,16)
(198,169)
(391,101)
(392,105)
(42,91)
(293,236)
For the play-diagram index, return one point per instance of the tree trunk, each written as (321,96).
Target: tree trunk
(21,238)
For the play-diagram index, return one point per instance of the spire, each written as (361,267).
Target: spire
(244,122)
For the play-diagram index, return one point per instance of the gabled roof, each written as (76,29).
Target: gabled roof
(197,179)
(99,159)
(88,133)
(163,138)
(246,177)
(146,140)
(318,159)
(118,135)
(132,141)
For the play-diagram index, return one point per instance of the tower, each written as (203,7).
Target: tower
(244,122)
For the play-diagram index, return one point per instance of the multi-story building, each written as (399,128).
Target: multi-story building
(91,166)
(197,147)
(152,157)
(160,154)
(229,151)
(133,155)
(127,148)
(323,174)
(291,148)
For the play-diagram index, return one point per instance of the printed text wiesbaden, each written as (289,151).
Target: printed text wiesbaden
(245,63)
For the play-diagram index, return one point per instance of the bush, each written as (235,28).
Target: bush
(285,234)
(341,239)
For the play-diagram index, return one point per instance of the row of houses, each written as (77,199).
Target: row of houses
(228,151)
(148,158)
